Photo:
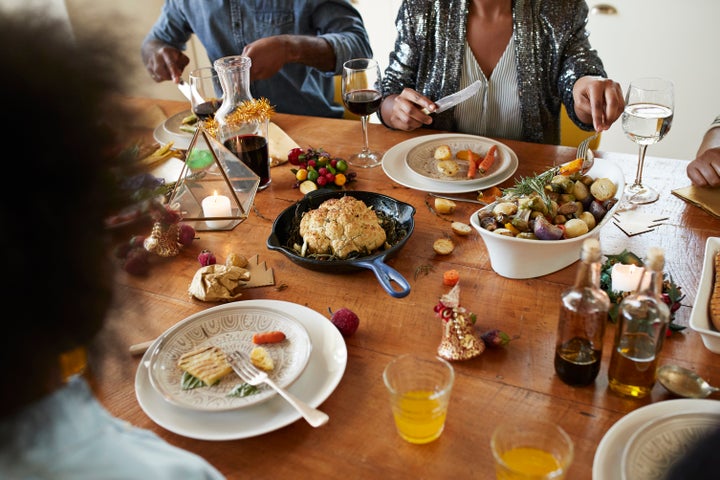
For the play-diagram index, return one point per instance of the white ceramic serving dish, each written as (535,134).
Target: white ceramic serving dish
(699,319)
(522,258)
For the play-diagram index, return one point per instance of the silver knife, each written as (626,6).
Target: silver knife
(456,98)
(185,89)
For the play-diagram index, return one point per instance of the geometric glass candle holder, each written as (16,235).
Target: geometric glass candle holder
(216,189)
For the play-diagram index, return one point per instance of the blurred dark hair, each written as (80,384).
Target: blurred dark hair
(58,149)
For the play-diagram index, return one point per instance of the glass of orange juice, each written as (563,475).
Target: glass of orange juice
(531,450)
(419,389)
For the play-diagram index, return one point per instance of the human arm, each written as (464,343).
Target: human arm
(270,54)
(326,34)
(404,111)
(704,170)
(163,61)
(598,101)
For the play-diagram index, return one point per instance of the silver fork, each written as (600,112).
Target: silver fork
(582,152)
(249,373)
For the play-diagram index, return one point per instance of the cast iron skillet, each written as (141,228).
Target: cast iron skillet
(401,214)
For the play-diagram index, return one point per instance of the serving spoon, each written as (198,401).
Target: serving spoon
(684,382)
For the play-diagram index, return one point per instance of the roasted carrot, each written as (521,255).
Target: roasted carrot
(472,158)
(274,336)
(472,168)
(573,166)
(451,277)
(490,195)
(488,160)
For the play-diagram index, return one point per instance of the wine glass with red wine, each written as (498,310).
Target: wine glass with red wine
(206,92)
(362,93)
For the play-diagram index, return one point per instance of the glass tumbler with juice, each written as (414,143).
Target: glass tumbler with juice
(419,388)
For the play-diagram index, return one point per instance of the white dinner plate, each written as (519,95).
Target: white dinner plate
(230,329)
(607,464)
(395,166)
(169,131)
(655,447)
(322,375)
(421,160)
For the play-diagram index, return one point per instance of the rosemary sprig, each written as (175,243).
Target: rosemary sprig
(530,185)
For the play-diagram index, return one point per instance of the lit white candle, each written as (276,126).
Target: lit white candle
(216,206)
(626,278)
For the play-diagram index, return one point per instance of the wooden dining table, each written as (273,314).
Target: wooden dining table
(513,383)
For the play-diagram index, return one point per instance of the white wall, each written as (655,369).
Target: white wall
(666,38)
(379,17)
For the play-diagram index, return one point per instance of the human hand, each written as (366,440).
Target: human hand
(704,171)
(164,62)
(268,56)
(598,101)
(405,111)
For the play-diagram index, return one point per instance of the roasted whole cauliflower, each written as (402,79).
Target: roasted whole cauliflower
(340,227)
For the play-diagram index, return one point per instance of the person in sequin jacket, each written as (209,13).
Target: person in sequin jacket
(553,64)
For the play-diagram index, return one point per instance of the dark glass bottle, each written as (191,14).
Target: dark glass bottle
(581,326)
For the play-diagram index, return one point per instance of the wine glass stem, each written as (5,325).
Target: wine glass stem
(366,146)
(641,162)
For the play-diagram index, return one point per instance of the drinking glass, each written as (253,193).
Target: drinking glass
(206,93)
(648,114)
(531,450)
(419,388)
(362,93)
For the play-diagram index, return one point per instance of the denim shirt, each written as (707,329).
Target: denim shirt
(69,435)
(224,27)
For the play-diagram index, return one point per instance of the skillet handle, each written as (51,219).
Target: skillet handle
(386,275)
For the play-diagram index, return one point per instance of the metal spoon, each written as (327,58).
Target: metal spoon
(684,382)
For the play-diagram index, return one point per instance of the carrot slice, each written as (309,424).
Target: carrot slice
(488,160)
(274,336)
(451,277)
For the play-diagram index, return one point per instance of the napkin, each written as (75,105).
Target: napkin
(633,223)
(706,198)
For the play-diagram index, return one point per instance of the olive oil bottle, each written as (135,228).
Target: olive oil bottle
(581,326)
(643,318)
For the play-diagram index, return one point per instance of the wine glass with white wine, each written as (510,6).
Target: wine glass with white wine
(649,105)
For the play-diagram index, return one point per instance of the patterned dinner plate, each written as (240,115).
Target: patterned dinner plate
(230,329)
(421,159)
(654,448)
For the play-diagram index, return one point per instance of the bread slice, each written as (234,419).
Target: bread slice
(261,358)
(714,309)
(209,364)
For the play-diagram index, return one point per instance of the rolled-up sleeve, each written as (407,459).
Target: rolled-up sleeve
(342,26)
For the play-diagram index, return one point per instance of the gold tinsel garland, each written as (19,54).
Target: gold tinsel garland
(254,110)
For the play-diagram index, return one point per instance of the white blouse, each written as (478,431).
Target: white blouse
(495,110)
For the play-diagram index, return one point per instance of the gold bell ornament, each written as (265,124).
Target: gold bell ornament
(459,341)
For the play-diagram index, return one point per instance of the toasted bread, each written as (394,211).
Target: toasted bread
(714,310)
(209,364)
